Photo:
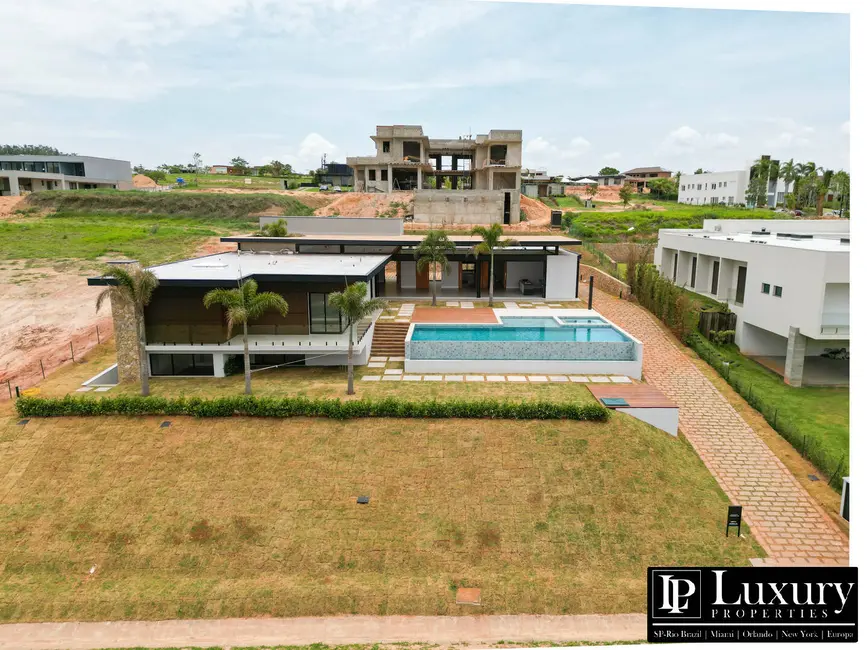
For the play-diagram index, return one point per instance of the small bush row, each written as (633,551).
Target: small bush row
(282,407)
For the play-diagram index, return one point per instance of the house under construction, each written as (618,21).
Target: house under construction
(456,180)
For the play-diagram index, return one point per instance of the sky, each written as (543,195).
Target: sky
(589,86)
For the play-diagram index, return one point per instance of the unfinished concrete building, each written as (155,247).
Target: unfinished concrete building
(456,180)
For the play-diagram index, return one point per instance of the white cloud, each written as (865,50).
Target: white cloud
(686,139)
(539,152)
(614,155)
(308,155)
(844,127)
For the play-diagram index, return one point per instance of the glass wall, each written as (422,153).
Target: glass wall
(163,365)
(44,167)
(324,319)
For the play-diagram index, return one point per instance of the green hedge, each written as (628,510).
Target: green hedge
(281,407)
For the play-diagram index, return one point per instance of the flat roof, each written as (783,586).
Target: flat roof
(404,240)
(820,241)
(228,268)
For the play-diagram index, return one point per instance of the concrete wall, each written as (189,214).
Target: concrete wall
(338,225)
(699,189)
(517,271)
(452,276)
(448,207)
(727,226)
(407,275)
(561,276)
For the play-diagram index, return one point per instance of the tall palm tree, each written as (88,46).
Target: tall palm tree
(243,305)
(490,242)
(788,172)
(353,303)
(433,250)
(132,289)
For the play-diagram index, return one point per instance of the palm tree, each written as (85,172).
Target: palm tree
(433,250)
(490,242)
(243,305)
(787,170)
(353,303)
(132,289)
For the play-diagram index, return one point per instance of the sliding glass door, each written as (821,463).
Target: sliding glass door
(324,319)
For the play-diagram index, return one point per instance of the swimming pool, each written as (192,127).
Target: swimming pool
(579,341)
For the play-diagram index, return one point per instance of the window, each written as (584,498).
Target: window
(182,364)
(683,188)
(324,319)
(726,184)
(713,186)
(778,292)
(766,288)
(386,146)
(383,174)
(371,174)
(731,200)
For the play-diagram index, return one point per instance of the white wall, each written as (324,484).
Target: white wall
(517,271)
(407,275)
(561,276)
(725,187)
(451,276)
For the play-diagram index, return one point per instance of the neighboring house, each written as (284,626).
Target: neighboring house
(640,176)
(730,188)
(221,169)
(787,282)
(32,173)
(536,183)
(456,180)
(336,174)
(184,338)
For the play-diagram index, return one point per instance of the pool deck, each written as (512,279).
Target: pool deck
(454,315)
(636,395)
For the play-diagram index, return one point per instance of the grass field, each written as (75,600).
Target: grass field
(201,181)
(150,239)
(229,517)
(183,204)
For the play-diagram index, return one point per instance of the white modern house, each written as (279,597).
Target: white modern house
(727,188)
(787,282)
(32,173)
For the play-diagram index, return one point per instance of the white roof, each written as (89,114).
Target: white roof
(235,265)
(587,181)
(827,242)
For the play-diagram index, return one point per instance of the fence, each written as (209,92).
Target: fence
(716,321)
(830,463)
(40,367)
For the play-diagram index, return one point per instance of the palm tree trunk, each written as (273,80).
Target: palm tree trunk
(434,286)
(350,383)
(491,282)
(143,366)
(248,376)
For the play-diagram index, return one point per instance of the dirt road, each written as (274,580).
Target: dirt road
(8,205)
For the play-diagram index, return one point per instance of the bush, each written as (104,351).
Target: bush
(282,407)
(668,302)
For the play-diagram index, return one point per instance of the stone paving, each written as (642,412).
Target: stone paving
(784,519)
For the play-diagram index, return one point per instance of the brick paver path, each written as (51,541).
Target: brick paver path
(332,630)
(785,520)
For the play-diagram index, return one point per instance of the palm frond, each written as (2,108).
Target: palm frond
(266,301)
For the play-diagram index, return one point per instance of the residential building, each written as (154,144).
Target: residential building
(184,338)
(536,183)
(221,169)
(32,173)
(711,188)
(336,174)
(482,174)
(641,175)
(786,281)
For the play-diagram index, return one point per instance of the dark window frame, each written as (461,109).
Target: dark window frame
(778,291)
(174,373)
(313,329)
(766,288)
(386,146)
(371,174)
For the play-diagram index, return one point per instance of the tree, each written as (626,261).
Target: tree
(663,187)
(353,303)
(243,305)
(241,166)
(155,175)
(274,229)
(592,190)
(276,168)
(197,165)
(608,171)
(433,250)
(788,173)
(132,289)
(490,242)
(840,187)
(756,193)
(625,193)
(699,171)
(31,150)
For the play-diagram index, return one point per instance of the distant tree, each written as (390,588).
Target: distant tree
(155,175)
(699,171)
(625,193)
(243,305)
(31,150)
(433,250)
(788,173)
(353,303)
(242,167)
(840,187)
(276,168)
(592,190)
(607,171)
(756,193)
(274,229)
(663,187)
(132,289)
(490,242)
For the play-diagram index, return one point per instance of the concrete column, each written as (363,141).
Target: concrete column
(219,364)
(389,179)
(795,352)
(14,189)
(418,185)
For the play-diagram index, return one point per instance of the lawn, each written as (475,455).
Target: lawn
(245,517)
(812,416)
(150,239)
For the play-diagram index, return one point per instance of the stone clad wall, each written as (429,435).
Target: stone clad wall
(126,342)
(603,281)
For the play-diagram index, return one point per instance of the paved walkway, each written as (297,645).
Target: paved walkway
(329,630)
(785,520)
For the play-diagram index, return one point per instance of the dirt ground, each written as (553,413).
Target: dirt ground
(8,205)
(357,204)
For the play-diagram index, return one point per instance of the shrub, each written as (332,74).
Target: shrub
(282,407)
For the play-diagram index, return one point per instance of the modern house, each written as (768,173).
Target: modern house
(472,179)
(32,173)
(536,183)
(786,281)
(336,174)
(729,188)
(184,338)
(640,176)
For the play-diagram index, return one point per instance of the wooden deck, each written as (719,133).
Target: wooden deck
(453,315)
(636,395)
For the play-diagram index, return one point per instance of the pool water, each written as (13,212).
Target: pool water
(520,328)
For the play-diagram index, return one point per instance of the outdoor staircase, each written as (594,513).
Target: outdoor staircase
(388,339)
